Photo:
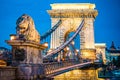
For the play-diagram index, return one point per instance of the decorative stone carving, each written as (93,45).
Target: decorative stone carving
(26,47)
(26,29)
(69,13)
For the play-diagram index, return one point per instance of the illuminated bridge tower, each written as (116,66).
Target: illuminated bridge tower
(71,16)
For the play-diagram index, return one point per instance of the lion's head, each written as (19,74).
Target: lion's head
(26,28)
(23,23)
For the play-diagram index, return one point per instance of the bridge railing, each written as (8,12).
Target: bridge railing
(51,67)
(32,71)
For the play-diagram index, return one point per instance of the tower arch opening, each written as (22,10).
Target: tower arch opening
(72,51)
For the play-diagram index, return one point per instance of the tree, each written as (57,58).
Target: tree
(114,61)
(118,62)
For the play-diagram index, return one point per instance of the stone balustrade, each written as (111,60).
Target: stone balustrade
(8,73)
(42,70)
(33,71)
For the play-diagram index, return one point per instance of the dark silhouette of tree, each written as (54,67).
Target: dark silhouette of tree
(114,61)
(6,56)
(118,62)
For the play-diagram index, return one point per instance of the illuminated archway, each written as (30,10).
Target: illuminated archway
(71,16)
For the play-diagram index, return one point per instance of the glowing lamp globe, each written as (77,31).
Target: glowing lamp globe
(12,37)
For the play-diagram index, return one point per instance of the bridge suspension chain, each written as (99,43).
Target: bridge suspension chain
(61,47)
(72,49)
(51,30)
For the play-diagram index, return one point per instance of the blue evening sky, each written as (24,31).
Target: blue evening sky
(107,23)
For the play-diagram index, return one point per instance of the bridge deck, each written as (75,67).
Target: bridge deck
(68,68)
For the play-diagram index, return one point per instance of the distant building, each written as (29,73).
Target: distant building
(112,52)
(100,51)
(3,49)
(5,55)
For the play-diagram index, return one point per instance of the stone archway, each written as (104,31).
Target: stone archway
(73,49)
(71,16)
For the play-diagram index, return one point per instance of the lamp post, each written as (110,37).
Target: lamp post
(76,54)
(72,42)
(67,48)
(46,46)
(12,37)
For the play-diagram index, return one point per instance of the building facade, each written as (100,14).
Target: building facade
(112,52)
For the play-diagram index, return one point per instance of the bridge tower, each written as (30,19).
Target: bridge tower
(71,16)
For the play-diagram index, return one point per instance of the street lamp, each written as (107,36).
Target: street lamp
(45,44)
(77,50)
(72,42)
(12,37)
(67,48)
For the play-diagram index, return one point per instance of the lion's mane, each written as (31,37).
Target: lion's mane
(26,27)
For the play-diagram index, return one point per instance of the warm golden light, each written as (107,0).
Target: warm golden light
(12,37)
(79,74)
(77,50)
(72,42)
(67,48)
(3,63)
(49,50)
(46,44)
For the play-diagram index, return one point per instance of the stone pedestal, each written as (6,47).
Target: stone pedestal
(26,48)
(32,51)
(88,54)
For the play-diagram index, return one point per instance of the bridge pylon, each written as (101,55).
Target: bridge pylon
(71,16)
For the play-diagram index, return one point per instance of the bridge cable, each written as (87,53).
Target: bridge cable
(67,42)
(51,30)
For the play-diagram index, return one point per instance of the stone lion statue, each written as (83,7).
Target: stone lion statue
(26,29)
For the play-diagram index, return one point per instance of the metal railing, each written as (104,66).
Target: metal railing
(50,68)
(32,71)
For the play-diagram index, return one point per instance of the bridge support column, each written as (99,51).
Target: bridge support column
(88,54)
(26,51)
(71,16)
(87,39)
